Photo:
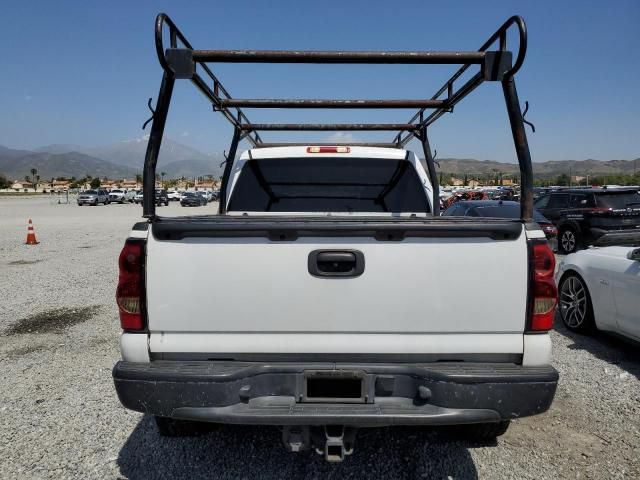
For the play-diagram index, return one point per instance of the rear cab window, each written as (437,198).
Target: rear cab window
(329,184)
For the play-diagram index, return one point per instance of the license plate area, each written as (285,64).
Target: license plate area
(333,386)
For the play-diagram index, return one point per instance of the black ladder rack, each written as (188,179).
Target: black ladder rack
(182,61)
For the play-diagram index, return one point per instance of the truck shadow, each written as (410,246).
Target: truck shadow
(612,349)
(257,452)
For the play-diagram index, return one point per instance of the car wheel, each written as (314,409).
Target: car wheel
(569,240)
(478,432)
(576,309)
(171,427)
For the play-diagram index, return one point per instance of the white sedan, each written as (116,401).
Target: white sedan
(174,195)
(600,288)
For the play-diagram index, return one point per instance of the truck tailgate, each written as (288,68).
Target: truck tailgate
(415,290)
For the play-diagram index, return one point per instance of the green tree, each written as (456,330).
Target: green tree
(562,180)
(4,183)
(95,183)
(34,171)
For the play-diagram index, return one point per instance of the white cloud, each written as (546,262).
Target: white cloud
(184,134)
(342,137)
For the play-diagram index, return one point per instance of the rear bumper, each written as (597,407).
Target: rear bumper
(392,394)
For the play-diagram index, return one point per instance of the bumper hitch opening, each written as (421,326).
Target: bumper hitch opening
(334,442)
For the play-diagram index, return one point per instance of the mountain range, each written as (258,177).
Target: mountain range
(125,159)
(550,168)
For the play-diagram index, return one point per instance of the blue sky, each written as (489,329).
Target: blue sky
(81,72)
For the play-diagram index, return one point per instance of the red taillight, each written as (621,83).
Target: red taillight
(543,293)
(130,291)
(328,149)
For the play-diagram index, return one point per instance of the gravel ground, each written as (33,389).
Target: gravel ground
(60,418)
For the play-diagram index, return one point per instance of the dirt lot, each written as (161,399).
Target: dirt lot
(60,418)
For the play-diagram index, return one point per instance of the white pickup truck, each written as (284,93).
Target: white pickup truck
(328,294)
(336,300)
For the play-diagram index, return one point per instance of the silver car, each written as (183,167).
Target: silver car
(93,197)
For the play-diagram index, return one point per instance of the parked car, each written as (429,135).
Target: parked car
(206,194)
(192,199)
(597,216)
(137,198)
(203,195)
(173,195)
(599,288)
(161,197)
(502,209)
(93,197)
(121,196)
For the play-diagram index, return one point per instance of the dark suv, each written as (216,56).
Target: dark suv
(596,216)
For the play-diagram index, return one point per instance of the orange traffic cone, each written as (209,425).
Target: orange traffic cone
(31,235)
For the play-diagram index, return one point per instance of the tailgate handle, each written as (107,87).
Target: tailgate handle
(336,263)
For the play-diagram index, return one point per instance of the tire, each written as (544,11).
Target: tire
(478,432)
(170,427)
(576,309)
(568,240)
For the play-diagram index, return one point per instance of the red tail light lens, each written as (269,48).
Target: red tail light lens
(543,293)
(130,291)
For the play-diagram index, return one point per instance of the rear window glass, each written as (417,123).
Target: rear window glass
(91,192)
(618,200)
(559,200)
(328,185)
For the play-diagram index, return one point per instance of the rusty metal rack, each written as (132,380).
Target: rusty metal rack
(181,61)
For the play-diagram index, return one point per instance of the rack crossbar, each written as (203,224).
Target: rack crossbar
(328,126)
(338,57)
(322,103)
